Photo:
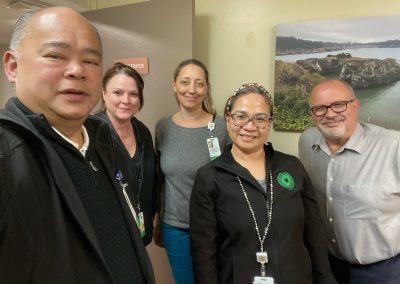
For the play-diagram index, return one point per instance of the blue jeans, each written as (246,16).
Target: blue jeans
(177,245)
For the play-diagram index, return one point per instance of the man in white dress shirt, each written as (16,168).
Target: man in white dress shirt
(355,168)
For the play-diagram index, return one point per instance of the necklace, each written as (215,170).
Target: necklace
(262,256)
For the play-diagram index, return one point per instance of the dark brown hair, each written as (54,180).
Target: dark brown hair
(120,68)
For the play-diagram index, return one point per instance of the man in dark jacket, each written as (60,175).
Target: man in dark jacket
(66,197)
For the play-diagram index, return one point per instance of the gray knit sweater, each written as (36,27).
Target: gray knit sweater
(182,152)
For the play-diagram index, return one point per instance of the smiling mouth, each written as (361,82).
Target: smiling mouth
(331,123)
(247,137)
(191,96)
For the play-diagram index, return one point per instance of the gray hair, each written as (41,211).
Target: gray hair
(21,29)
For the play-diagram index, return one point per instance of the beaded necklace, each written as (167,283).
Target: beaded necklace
(262,256)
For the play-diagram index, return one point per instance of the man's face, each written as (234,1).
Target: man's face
(335,125)
(58,66)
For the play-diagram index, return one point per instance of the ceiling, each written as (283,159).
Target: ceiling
(11,10)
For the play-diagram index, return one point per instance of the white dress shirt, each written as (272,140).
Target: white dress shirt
(358,189)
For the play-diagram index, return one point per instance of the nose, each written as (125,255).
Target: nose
(250,125)
(330,113)
(192,88)
(75,71)
(125,99)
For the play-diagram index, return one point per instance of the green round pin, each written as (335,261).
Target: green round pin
(286,180)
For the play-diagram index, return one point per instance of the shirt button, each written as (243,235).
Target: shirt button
(333,241)
(330,219)
(331,179)
(330,198)
(332,159)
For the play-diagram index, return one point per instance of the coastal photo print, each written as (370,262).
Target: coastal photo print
(365,52)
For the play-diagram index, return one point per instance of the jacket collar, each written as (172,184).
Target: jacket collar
(228,163)
(135,123)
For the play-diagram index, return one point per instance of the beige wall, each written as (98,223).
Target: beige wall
(236,39)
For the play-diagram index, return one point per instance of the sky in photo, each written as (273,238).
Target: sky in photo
(363,30)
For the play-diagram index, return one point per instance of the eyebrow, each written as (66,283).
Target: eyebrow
(64,45)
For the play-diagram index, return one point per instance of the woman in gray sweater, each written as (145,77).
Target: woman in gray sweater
(185,141)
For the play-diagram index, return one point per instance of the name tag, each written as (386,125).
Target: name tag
(213,148)
(263,280)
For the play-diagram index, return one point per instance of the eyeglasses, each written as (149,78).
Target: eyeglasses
(337,107)
(259,120)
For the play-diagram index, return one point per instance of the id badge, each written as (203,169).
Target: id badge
(140,224)
(213,148)
(263,280)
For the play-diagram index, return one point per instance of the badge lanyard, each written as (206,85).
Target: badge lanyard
(261,256)
(139,219)
(212,143)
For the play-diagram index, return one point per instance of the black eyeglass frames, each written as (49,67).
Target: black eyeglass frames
(337,107)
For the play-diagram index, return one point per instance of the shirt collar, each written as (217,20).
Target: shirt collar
(85,144)
(356,140)
(355,143)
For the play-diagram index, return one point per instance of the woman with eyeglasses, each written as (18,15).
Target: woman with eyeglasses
(253,213)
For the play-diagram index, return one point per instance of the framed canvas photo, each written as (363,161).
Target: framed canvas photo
(365,52)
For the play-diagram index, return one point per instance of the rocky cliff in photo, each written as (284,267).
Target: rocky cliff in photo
(360,73)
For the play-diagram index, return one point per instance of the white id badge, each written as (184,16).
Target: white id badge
(263,280)
(213,148)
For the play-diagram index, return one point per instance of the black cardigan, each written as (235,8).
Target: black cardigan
(150,179)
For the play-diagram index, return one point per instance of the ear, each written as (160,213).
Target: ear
(227,118)
(104,95)
(10,66)
(174,86)
(357,103)
(227,121)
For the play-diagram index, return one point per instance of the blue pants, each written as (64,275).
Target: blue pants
(177,245)
(382,272)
